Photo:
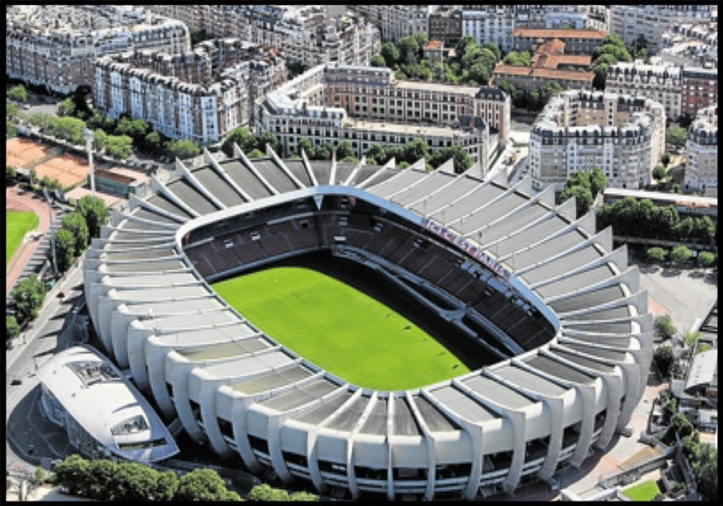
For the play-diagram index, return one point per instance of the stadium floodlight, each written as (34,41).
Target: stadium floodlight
(52,232)
(88,135)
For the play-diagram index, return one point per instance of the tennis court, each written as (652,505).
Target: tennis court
(21,152)
(68,169)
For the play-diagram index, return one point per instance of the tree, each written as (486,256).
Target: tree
(11,175)
(27,297)
(101,475)
(119,146)
(308,148)
(706,258)
(659,172)
(462,160)
(12,329)
(71,129)
(663,327)
(135,482)
(10,130)
(682,425)
(344,150)
(267,138)
(690,337)
(255,153)
(266,493)
(704,230)
(240,136)
(94,212)
(377,61)
(18,93)
(100,139)
(166,486)
(680,254)
(72,474)
(152,142)
(390,53)
(65,249)
(324,151)
(66,107)
(583,197)
(665,158)
(75,223)
(414,150)
(664,357)
(303,497)
(657,254)
(43,120)
(705,466)
(182,149)
(377,154)
(202,485)
(676,136)
(494,48)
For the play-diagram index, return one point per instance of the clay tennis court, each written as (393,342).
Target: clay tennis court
(66,168)
(21,152)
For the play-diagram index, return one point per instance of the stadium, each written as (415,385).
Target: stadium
(552,319)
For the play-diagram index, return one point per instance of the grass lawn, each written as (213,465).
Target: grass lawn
(340,329)
(644,491)
(17,224)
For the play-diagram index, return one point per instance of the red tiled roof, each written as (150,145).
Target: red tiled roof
(560,34)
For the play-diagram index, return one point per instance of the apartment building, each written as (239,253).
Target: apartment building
(699,89)
(549,63)
(630,21)
(579,130)
(399,20)
(305,34)
(657,81)
(445,24)
(201,95)
(701,172)
(56,47)
(367,104)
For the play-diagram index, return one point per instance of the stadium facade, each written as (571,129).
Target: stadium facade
(559,312)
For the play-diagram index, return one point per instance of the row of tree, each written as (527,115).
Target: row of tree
(679,255)
(641,218)
(105,480)
(377,154)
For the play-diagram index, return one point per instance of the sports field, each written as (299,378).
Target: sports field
(643,492)
(340,328)
(17,224)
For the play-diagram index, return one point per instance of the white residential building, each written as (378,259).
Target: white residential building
(366,105)
(630,21)
(305,34)
(657,81)
(579,130)
(701,172)
(200,96)
(56,46)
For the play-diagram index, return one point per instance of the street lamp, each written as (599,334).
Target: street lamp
(88,135)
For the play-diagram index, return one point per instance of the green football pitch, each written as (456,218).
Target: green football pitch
(17,224)
(340,328)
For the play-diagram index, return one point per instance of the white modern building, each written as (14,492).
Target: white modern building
(701,172)
(657,81)
(103,413)
(579,130)
(560,317)
(366,105)
(56,46)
